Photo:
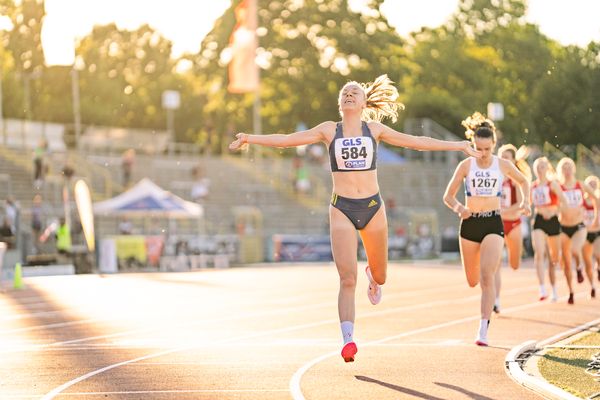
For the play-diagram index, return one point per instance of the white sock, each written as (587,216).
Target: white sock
(554,294)
(497,302)
(347,331)
(483,328)
(543,290)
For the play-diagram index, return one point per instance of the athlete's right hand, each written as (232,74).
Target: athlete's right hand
(465,213)
(242,139)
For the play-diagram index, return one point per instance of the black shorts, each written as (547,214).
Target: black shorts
(551,227)
(358,211)
(571,230)
(479,225)
(592,236)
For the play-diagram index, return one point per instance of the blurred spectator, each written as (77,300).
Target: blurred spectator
(201,185)
(7,235)
(68,171)
(391,209)
(125,227)
(63,237)
(316,153)
(127,161)
(301,181)
(38,162)
(37,221)
(12,213)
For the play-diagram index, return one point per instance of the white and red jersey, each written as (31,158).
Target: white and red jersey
(589,213)
(542,195)
(574,195)
(509,194)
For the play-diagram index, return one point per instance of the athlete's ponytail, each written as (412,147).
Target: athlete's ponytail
(594,178)
(381,98)
(479,126)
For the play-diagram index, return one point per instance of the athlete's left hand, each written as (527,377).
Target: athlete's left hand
(467,148)
(526,209)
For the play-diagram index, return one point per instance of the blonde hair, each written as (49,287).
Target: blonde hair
(520,158)
(381,98)
(550,173)
(594,178)
(559,167)
(478,125)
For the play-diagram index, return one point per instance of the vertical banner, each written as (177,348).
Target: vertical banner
(84,206)
(243,71)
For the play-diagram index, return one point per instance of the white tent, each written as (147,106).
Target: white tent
(146,198)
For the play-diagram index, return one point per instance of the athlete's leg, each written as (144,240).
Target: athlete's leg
(597,254)
(344,245)
(491,253)
(469,254)
(553,261)
(577,242)
(587,255)
(497,286)
(514,247)
(565,244)
(375,240)
(538,238)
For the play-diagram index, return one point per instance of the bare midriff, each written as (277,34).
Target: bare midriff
(547,212)
(477,204)
(571,216)
(355,184)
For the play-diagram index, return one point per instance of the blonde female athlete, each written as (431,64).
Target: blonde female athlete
(573,231)
(546,196)
(591,219)
(356,203)
(481,229)
(511,213)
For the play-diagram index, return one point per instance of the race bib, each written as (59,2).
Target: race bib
(540,196)
(484,184)
(354,154)
(574,197)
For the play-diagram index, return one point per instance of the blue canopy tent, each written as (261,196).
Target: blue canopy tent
(146,199)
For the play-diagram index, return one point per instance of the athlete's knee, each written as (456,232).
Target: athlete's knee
(486,281)
(348,281)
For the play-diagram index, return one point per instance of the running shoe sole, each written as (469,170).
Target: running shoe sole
(481,343)
(349,351)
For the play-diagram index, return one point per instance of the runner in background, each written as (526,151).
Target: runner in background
(546,196)
(511,213)
(573,231)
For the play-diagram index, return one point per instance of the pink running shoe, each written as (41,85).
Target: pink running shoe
(348,351)
(481,342)
(374,290)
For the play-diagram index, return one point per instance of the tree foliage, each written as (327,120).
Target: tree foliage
(486,52)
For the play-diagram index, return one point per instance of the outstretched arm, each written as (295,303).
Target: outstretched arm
(310,136)
(395,138)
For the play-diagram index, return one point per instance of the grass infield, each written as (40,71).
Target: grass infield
(566,367)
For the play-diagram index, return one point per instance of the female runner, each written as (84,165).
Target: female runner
(546,196)
(481,229)
(511,213)
(591,219)
(356,203)
(573,231)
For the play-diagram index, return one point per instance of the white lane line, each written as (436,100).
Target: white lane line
(149,392)
(294,386)
(66,385)
(232,318)
(32,315)
(49,326)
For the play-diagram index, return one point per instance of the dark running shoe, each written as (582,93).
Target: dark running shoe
(593,293)
(496,309)
(571,299)
(579,276)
